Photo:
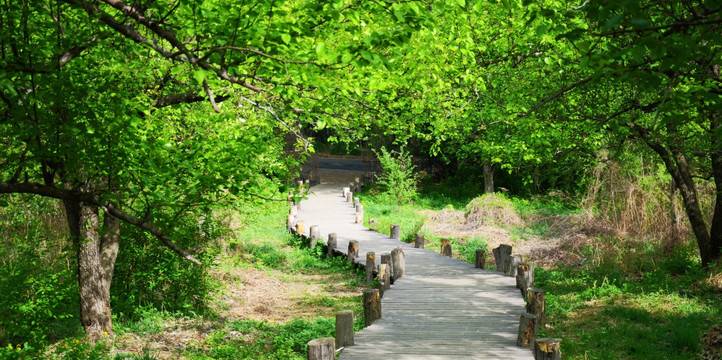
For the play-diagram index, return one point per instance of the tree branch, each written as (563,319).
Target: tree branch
(109,207)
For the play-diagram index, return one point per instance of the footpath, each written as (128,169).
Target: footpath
(441,308)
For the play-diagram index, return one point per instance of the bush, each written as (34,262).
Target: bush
(398,178)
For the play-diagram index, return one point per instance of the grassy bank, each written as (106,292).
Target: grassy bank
(268,295)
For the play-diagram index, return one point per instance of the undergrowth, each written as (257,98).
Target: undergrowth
(629,299)
(38,293)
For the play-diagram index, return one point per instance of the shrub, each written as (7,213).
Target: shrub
(398,178)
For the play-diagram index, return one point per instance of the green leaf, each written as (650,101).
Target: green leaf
(612,22)
(199,75)
(286,38)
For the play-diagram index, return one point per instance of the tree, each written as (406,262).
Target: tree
(153,113)
(655,67)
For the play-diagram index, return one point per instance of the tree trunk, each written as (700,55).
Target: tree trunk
(488,178)
(96,259)
(709,239)
(716,157)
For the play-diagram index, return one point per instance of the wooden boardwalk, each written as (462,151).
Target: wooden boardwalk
(441,309)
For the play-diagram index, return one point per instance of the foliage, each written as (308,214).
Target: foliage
(665,305)
(397,178)
(37,279)
(147,275)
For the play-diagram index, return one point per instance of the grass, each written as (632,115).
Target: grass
(256,261)
(627,300)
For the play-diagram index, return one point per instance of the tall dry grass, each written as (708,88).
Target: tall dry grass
(641,203)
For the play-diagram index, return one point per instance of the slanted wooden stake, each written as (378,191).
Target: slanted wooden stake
(419,241)
(480,262)
(446,247)
(524,277)
(502,258)
(322,349)
(536,303)
(352,250)
(315,235)
(547,349)
(515,260)
(527,330)
(331,246)
(384,278)
(370,266)
(396,232)
(344,328)
(398,262)
(372,306)
(300,227)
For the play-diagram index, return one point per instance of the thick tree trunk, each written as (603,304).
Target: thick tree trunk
(488,178)
(95,266)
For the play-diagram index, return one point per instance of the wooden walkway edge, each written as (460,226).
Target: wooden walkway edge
(441,309)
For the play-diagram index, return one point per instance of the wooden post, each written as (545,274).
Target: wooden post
(527,330)
(346,191)
(515,260)
(352,250)
(322,349)
(384,278)
(372,306)
(359,214)
(547,349)
(291,223)
(331,246)
(446,247)
(419,241)
(502,259)
(480,261)
(535,304)
(373,224)
(356,201)
(344,328)
(359,208)
(300,227)
(386,259)
(349,196)
(315,235)
(370,266)
(395,232)
(398,262)
(524,277)
(294,210)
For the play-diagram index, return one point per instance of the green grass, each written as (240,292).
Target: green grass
(601,313)
(628,300)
